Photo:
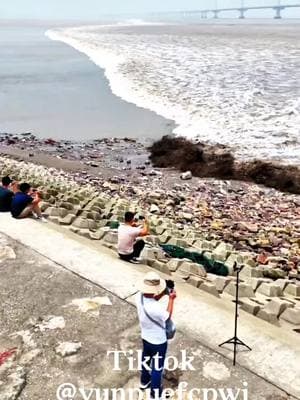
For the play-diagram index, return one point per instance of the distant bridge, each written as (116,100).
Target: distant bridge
(242,10)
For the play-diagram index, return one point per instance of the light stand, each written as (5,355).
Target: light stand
(235,340)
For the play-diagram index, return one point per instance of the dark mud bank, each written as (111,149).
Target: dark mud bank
(218,162)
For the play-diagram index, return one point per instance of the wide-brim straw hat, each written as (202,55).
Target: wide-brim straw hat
(152,284)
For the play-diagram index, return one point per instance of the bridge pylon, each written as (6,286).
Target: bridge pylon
(278,12)
(216,14)
(242,13)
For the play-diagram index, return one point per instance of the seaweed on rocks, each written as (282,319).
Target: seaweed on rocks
(217,161)
(282,177)
(201,160)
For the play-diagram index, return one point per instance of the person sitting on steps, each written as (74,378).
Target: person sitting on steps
(25,203)
(6,194)
(129,248)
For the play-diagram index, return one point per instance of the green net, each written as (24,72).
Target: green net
(211,266)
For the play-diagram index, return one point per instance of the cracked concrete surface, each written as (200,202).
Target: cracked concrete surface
(36,318)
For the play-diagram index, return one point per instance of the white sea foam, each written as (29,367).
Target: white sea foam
(242,94)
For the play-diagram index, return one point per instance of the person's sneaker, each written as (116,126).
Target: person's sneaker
(134,261)
(42,219)
(144,386)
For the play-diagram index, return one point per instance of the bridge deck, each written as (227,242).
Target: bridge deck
(274,7)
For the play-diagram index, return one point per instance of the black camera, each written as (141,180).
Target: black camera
(170,286)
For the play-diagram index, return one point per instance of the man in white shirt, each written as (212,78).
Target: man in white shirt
(153,316)
(129,248)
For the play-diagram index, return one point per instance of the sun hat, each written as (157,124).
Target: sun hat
(152,284)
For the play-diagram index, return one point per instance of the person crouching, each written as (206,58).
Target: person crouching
(129,246)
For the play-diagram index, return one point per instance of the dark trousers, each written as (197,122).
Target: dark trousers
(137,249)
(156,373)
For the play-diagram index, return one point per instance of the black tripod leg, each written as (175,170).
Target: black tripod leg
(230,341)
(239,342)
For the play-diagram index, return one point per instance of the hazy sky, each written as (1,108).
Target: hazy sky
(68,9)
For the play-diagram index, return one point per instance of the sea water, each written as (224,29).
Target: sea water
(50,89)
(232,83)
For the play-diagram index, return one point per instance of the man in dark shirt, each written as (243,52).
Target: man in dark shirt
(23,204)
(6,194)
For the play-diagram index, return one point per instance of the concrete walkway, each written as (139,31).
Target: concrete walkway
(275,356)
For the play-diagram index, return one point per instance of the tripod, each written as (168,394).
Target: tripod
(235,340)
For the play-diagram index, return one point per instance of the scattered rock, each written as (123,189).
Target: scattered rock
(51,323)
(91,304)
(66,349)
(186,176)
(6,253)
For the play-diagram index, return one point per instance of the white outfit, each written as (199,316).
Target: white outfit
(127,237)
(151,332)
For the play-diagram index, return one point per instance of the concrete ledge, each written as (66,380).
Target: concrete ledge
(208,319)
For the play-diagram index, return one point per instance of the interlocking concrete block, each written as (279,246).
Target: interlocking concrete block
(291,315)
(182,275)
(292,289)
(98,235)
(111,237)
(198,270)
(84,232)
(178,242)
(160,229)
(195,281)
(161,267)
(174,264)
(209,288)
(164,238)
(56,212)
(204,245)
(149,261)
(67,220)
(149,252)
(282,283)
(84,223)
(245,290)
(273,273)
(293,274)
(250,306)
(208,255)
(256,282)
(93,215)
(250,262)
(152,239)
(102,223)
(232,259)
(72,200)
(251,272)
(193,269)
(268,316)
(277,306)
(270,289)
(44,205)
(221,282)
(66,205)
(211,277)
(222,252)
(54,219)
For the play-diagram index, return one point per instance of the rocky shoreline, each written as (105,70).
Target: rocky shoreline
(87,187)
(248,216)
